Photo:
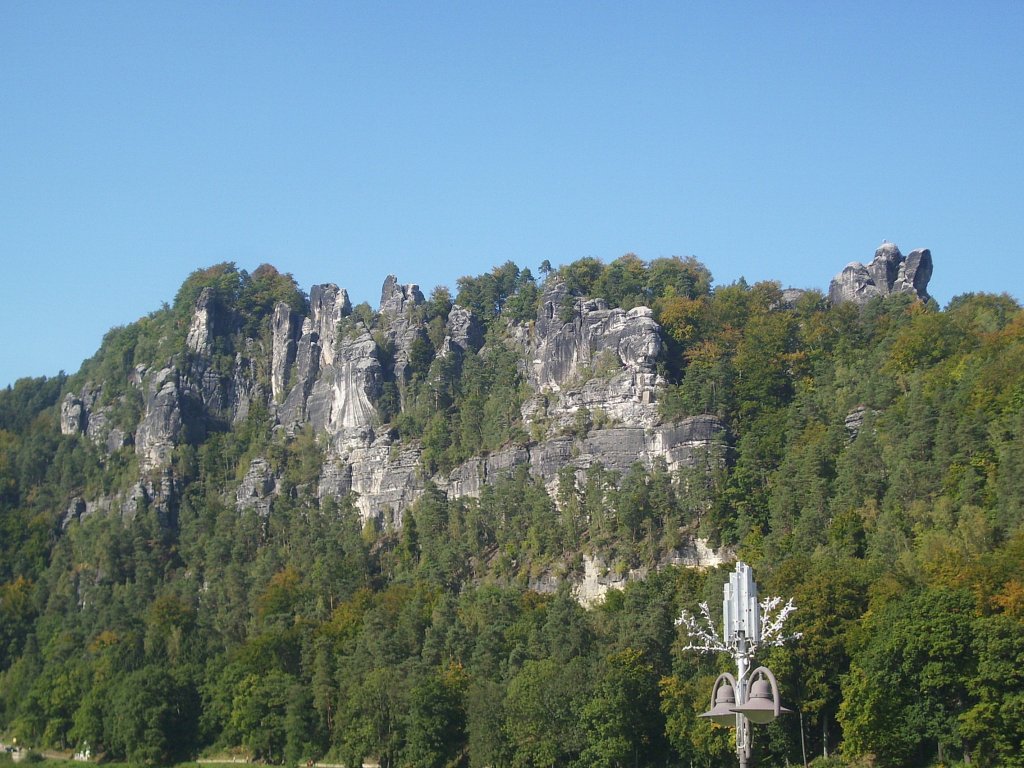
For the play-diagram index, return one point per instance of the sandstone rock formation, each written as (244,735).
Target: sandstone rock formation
(888,273)
(158,432)
(341,402)
(464,330)
(257,488)
(325,370)
(600,359)
(201,331)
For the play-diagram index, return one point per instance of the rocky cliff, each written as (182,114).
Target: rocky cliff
(592,377)
(601,361)
(588,395)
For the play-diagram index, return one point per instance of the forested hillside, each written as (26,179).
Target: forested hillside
(269,521)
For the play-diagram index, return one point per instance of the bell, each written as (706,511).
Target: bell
(724,694)
(762,705)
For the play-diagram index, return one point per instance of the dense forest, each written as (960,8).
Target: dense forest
(871,471)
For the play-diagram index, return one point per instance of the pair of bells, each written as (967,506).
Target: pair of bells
(762,705)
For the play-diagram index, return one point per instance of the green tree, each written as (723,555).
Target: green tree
(623,282)
(682,697)
(259,713)
(485,718)
(907,686)
(992,727)
(622,722)
(437,719)
(305,736)
(541,717)
(152,721)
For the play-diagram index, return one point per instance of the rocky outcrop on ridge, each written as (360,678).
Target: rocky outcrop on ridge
(201,331)
(888,273)
(592,370)
(401,326)
(464,330)
(325,370)
(601,359)
(341,403)
(161,423)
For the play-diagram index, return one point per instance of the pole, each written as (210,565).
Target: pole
(803,746)
(742,724)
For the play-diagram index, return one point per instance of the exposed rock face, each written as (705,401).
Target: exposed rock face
(328,304)
(385,477)
(206,390)
(854,421)
(598,579)
(73,415)
(402,328)
(469,478)
(202,330)
(336,378)
(388,478)
(136,499)
(341,400)
(464,330)
(594,335)
(158,432)
(601,359)
(257,488)
(790,296)
(82,415)
(395,298)
(75,511)
(283,352)
(158,494)
(888,273)
(246,387)
(307,369)
(915,273)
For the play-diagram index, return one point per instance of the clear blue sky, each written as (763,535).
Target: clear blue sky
(343,141)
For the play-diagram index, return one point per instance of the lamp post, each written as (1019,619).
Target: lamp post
(747,626)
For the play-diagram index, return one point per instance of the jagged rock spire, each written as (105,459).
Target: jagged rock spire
(888,273)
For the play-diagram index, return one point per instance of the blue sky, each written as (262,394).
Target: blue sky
(345,141)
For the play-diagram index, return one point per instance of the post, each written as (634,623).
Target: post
(803,746)
(742,725)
